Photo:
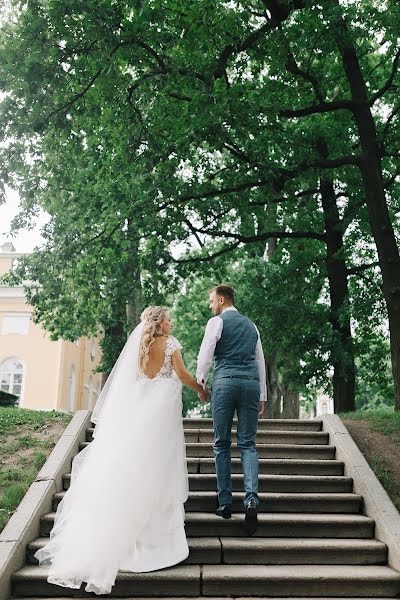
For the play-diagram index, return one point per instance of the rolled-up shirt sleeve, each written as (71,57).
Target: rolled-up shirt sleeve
(206,353)
(261,369)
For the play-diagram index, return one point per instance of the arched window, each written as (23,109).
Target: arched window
(71,389)
(12,376)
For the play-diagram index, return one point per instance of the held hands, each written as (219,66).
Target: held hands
(204,394)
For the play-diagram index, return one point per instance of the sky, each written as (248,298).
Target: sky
(26,239)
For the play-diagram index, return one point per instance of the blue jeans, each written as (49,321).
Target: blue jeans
(243,395)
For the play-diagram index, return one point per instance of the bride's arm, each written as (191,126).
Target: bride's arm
(185,376)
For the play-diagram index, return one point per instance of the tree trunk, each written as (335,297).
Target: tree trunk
(273,406)
(371,169)
(344,369)
(134,299)
(291,403)
(112,343)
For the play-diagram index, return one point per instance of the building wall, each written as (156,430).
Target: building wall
(56,374)
(79,386)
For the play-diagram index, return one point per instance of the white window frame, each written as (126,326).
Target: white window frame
(22,372)
(15,315)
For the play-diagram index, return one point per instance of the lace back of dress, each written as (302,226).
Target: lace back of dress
(166,370)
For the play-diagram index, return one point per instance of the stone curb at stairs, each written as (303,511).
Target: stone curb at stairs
(377,503)
(24,524)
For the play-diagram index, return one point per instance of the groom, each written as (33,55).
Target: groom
(239,384)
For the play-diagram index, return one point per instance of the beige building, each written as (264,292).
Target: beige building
(45,374)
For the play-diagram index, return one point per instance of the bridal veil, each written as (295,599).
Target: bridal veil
(124,508)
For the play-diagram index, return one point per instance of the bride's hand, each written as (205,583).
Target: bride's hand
(203,396)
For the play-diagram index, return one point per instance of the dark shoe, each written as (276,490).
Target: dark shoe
(224,511)
(251,517)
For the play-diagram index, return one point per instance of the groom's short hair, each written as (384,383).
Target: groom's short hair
(226,291)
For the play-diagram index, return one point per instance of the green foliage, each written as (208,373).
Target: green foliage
(7,399)
(24,447)
(13,418)
(157,135)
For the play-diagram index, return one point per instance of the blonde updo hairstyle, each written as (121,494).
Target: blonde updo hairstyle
(152,316)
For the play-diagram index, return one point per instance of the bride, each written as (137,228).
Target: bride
(124,508)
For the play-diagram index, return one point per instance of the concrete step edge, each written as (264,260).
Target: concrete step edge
(266,517)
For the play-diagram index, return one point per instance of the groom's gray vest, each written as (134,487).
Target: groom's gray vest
(235,352)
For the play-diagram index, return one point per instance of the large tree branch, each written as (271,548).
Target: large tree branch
(313,235)
(280,13)
(293,67)
(214,193)
(388,123)
(232,49)
(322,107)
(389,182)
(162,64)
(65,107)
(277,182)
(208,257)
(194,232)
(350,212)
(302,194)
(333,163)
(385,88)
(361,268)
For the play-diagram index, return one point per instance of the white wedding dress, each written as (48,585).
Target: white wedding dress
(124,508)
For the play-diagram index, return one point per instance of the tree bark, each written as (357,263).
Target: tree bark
(134,299)
(112,343)
(371,169)
(291,403)
(273,406)
(343,360)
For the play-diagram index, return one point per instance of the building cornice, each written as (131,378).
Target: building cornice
(9,292)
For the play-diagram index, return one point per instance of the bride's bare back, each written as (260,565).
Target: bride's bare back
(156,356)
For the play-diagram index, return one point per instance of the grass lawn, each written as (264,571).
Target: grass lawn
(26,439)
(377,434)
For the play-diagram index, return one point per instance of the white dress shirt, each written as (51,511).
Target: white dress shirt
(206,353)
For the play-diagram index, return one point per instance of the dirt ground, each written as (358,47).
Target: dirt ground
(12,453)
(382,453)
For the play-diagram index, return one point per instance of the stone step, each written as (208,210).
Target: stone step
(271,551)
(301,580)
(182,580)
(270,502)
(274,466)
(270,483)
(281,503)
(289,551)
(296,451)
(263,424)
(231,580)
(270,525)
(211,598)
(279,483)
(283,525)
(263,437)
(203,550)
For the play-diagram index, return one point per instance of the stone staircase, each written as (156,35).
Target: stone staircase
(313,539)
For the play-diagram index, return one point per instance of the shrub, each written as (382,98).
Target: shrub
(7,399)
